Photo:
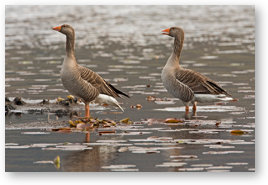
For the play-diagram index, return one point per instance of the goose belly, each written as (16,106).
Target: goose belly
(80,89)
(171,89)
(175,88)
(168,83)
(76,86)
(70,85)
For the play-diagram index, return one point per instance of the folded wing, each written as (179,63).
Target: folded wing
(198,83)
(99,83)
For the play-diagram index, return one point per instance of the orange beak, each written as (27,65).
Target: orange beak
(57,28)
(166,31)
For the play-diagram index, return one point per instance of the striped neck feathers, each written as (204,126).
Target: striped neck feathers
(70,44)
(178,44)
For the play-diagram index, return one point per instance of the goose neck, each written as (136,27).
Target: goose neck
(178,43)
(69,45)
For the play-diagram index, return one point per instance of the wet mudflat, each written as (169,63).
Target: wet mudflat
(126,48)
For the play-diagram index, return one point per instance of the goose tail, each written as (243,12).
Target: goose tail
(203,98)
(105,99)
(227,98)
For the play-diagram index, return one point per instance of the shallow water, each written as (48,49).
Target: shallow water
(125,46)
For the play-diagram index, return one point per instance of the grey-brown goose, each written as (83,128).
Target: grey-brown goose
(185,84)
(81,81)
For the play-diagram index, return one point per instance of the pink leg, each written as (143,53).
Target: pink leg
(194,107)
(87,113)
(186,109)
(87,137)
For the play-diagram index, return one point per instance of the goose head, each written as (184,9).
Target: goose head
(65,29)
(174,32)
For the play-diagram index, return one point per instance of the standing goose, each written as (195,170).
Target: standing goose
(81,81)
(187,85)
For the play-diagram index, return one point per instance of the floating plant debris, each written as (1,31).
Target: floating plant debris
(218,123)
(138,106)
(57,162)
(87,124)
(69,100)
(238,132)
(173,120)
(106,132)
(126,120)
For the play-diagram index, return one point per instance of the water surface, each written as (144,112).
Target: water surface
(126,48)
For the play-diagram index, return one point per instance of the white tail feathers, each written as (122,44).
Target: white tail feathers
(202,98)
(105,99)
(226,98)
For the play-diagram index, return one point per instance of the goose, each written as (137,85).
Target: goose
(81,81)
(185,84)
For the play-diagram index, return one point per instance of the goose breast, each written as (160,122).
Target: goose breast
(174,86)
(72,81)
